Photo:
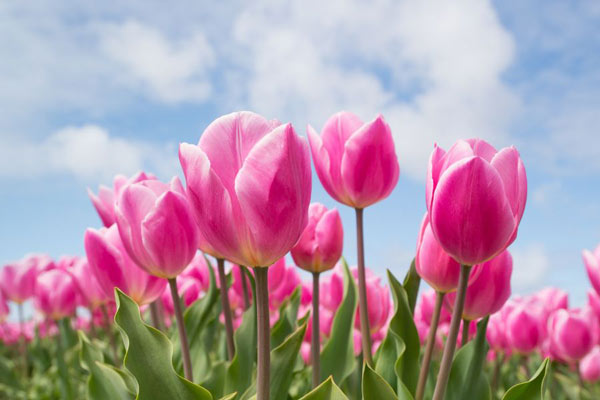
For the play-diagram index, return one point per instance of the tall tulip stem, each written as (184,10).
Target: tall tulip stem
(155,315)
(185,349)
(110,334)
(226,308)
(245,290)
(315,344)
(444,373)
(264,336)
(431,337)
(365,331)
(465,332)
(22,339)
(61,347)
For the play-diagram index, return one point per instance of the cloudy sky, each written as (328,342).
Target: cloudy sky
(87,91)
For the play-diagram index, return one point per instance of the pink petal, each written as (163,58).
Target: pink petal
(330,177)
(433,173)
(329,234)
(482,149)
(510,167)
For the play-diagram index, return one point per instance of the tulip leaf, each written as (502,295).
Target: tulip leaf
(337,356)
(104,381)
(467,379)
(239,372)
(374,387)
(533,389)
(411,284)
(148,357)
(288,317)
(215,381)
(326,391)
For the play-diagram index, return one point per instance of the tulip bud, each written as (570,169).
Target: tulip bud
(56,294)
(523,328)
(571,334)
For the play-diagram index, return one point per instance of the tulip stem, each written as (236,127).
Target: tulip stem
(185,349)
(110,334)
(365,331)
(155,315)
(431,338)
(448,355)
(61,347)
(245,290)
(226,308)
(315,338)
(465,332)
(497,367)
(264,337)
(22,339)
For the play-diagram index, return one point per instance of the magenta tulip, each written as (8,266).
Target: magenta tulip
(249,181)
(496,333)
(426,306)
(523,328)
(189,289)
(56,294)
(475,197)
(157,226)
(18,279)
(589,367)
(283,280)
(113,267)
(571,334)
(4,310)
(488,292)
(199,270)
(356,162)
(591,261)
(379,305)
(320,245)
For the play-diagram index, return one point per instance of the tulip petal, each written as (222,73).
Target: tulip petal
(169,235)
(482,149)
(592,267)
(471,217)
(273,189)
(329,176)
(433,173)
(329,235)
(510,167)
(106,262)
(370,168)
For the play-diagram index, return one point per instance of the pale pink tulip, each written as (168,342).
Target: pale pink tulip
(589,367)
(249,180)
(591,261)
(18,279)
(356,162)
(571,334)
(56,294)
(475,197)
(320,245)
(85,280)
(114,268)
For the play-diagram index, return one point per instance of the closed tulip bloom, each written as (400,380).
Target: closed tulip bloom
(189,290)
(18,279)
(425,307)
(104,201)
(589,367)
(523,328)
(356,162)
(591,261)
(488,292)
(157,226)
(283,280)
(475,197)
(56,294)
(379,306)
(89,288)
(320,245)
(113,267)
(571,334)
(249,181)
(496,333)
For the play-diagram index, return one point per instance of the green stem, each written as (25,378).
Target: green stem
(226,308)
(431,337)
(185,349)
(446,364)
(465,332)
(263,331)
(245,288)
(23,340)
(315,339)
(365,331)
(155,315)
(63,372)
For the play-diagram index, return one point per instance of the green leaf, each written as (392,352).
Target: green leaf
(215,382)
(239,373)
(411,284)
(229,396)
(374,387)
(148,357)
(282,360)
(326,391)
(288,315)
(467,380)
(534,388)
(337,356)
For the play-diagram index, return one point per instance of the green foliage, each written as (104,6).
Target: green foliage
(411,284)
(326,391)
(374,387)
(533,389)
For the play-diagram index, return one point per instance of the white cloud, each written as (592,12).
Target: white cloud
(531,265)
(87,152)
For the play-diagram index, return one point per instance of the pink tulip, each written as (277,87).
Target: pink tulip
(571,334)
(475,197)
(378,297)
(56,294)
(157,226)
(320,245)
(524,333)
(591,261)
(589,367)
(425,307)
(188,288)
(496,333)
(104,202)
(199,270)
(85,280)
(488,292)
(552,298)
(332,289)
(594,301)
(114,268)
(18,279)
(4,310)
(283,280)
(249,181)
(356,162)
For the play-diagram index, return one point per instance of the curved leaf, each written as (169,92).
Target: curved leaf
(326,391)
(337,356)
(148,357)
(288,317)
(411,284)
(534,388)
(282,361)
(374,387)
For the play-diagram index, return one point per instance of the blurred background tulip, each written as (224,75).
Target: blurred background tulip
(56,294)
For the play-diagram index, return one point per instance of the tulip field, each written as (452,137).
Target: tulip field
(191,288)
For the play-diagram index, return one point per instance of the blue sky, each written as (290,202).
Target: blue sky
(89,91)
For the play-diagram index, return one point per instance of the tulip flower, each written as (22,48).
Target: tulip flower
(249,181)
(571,334)
(190,290)
(523,329)
(105,201)
(89,288)
(357,165)
(17,280)
(591,261)
(4,310)
(56,294)
(589,366)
